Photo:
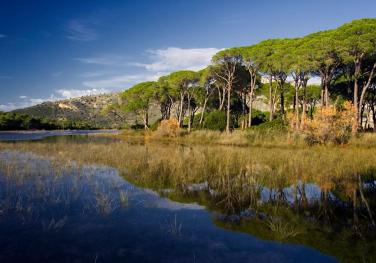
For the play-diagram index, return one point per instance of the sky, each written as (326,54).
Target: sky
(52,50)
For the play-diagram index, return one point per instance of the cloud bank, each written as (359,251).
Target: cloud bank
(175,58)
(160,62)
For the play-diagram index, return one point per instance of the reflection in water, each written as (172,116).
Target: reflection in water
(38,135)
(73,213)
(322,198)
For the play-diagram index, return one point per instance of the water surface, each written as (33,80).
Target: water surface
(83,200)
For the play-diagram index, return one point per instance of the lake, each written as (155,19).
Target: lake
(92,198)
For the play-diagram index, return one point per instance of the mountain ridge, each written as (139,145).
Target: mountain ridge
(90,109)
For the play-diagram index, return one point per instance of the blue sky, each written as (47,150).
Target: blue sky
(59,49)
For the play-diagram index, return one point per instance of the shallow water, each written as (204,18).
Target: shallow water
(68,212)
(38,135)
(76,215)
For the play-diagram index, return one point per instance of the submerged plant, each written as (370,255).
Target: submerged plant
(282,230)
(174,228)
(54,224)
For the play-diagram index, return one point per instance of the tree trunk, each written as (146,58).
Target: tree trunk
(304,108)
(374,118)
(203,111)
(228,110)
(250,111)
(181,109)
(189,113)
(271,102)
(296,103)
(146,120)
(355,101)
(322,94)
(325,80)
(326,92)
(251,104)
(222,100)
(361,101)
(282,103)
(244,102)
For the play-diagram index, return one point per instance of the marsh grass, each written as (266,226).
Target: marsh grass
(33,188)
(176,165)
(234,173)
(283,230)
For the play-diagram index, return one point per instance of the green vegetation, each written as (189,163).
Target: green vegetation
(16,121)
(215,120)
(275,71)
(138,99)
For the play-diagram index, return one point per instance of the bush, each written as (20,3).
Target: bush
(168,128)
(258,117)
(155,125)
(330,125)
(215,120)
(276,125)
(137,126)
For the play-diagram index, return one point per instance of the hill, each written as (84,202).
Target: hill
(88,109)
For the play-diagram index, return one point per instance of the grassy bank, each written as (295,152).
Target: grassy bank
(250,137)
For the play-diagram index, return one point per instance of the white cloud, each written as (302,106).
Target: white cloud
(175,58)
(105,60)
(94,74)
(25,102)
(74,93)
(162,62)
(315,81)
(81,30)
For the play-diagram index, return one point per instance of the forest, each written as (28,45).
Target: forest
(281,73)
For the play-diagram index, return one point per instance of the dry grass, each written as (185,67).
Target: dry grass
(181,165)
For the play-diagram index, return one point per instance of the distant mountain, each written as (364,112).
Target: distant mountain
(89,109)
(92,110)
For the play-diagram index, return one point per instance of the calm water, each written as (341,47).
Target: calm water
(91,213)
(37,135)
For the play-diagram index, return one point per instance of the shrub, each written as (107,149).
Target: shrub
(276,125)
(215,120)
(330,125)
(137,126)
(258,117)
(168,128)
(155,125)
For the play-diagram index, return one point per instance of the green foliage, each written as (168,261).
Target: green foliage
(258,117)
(16,121)
(138,97)
(215,120)
(239,71)
(181,80)
(276,125)
(155,125)
(357,39)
